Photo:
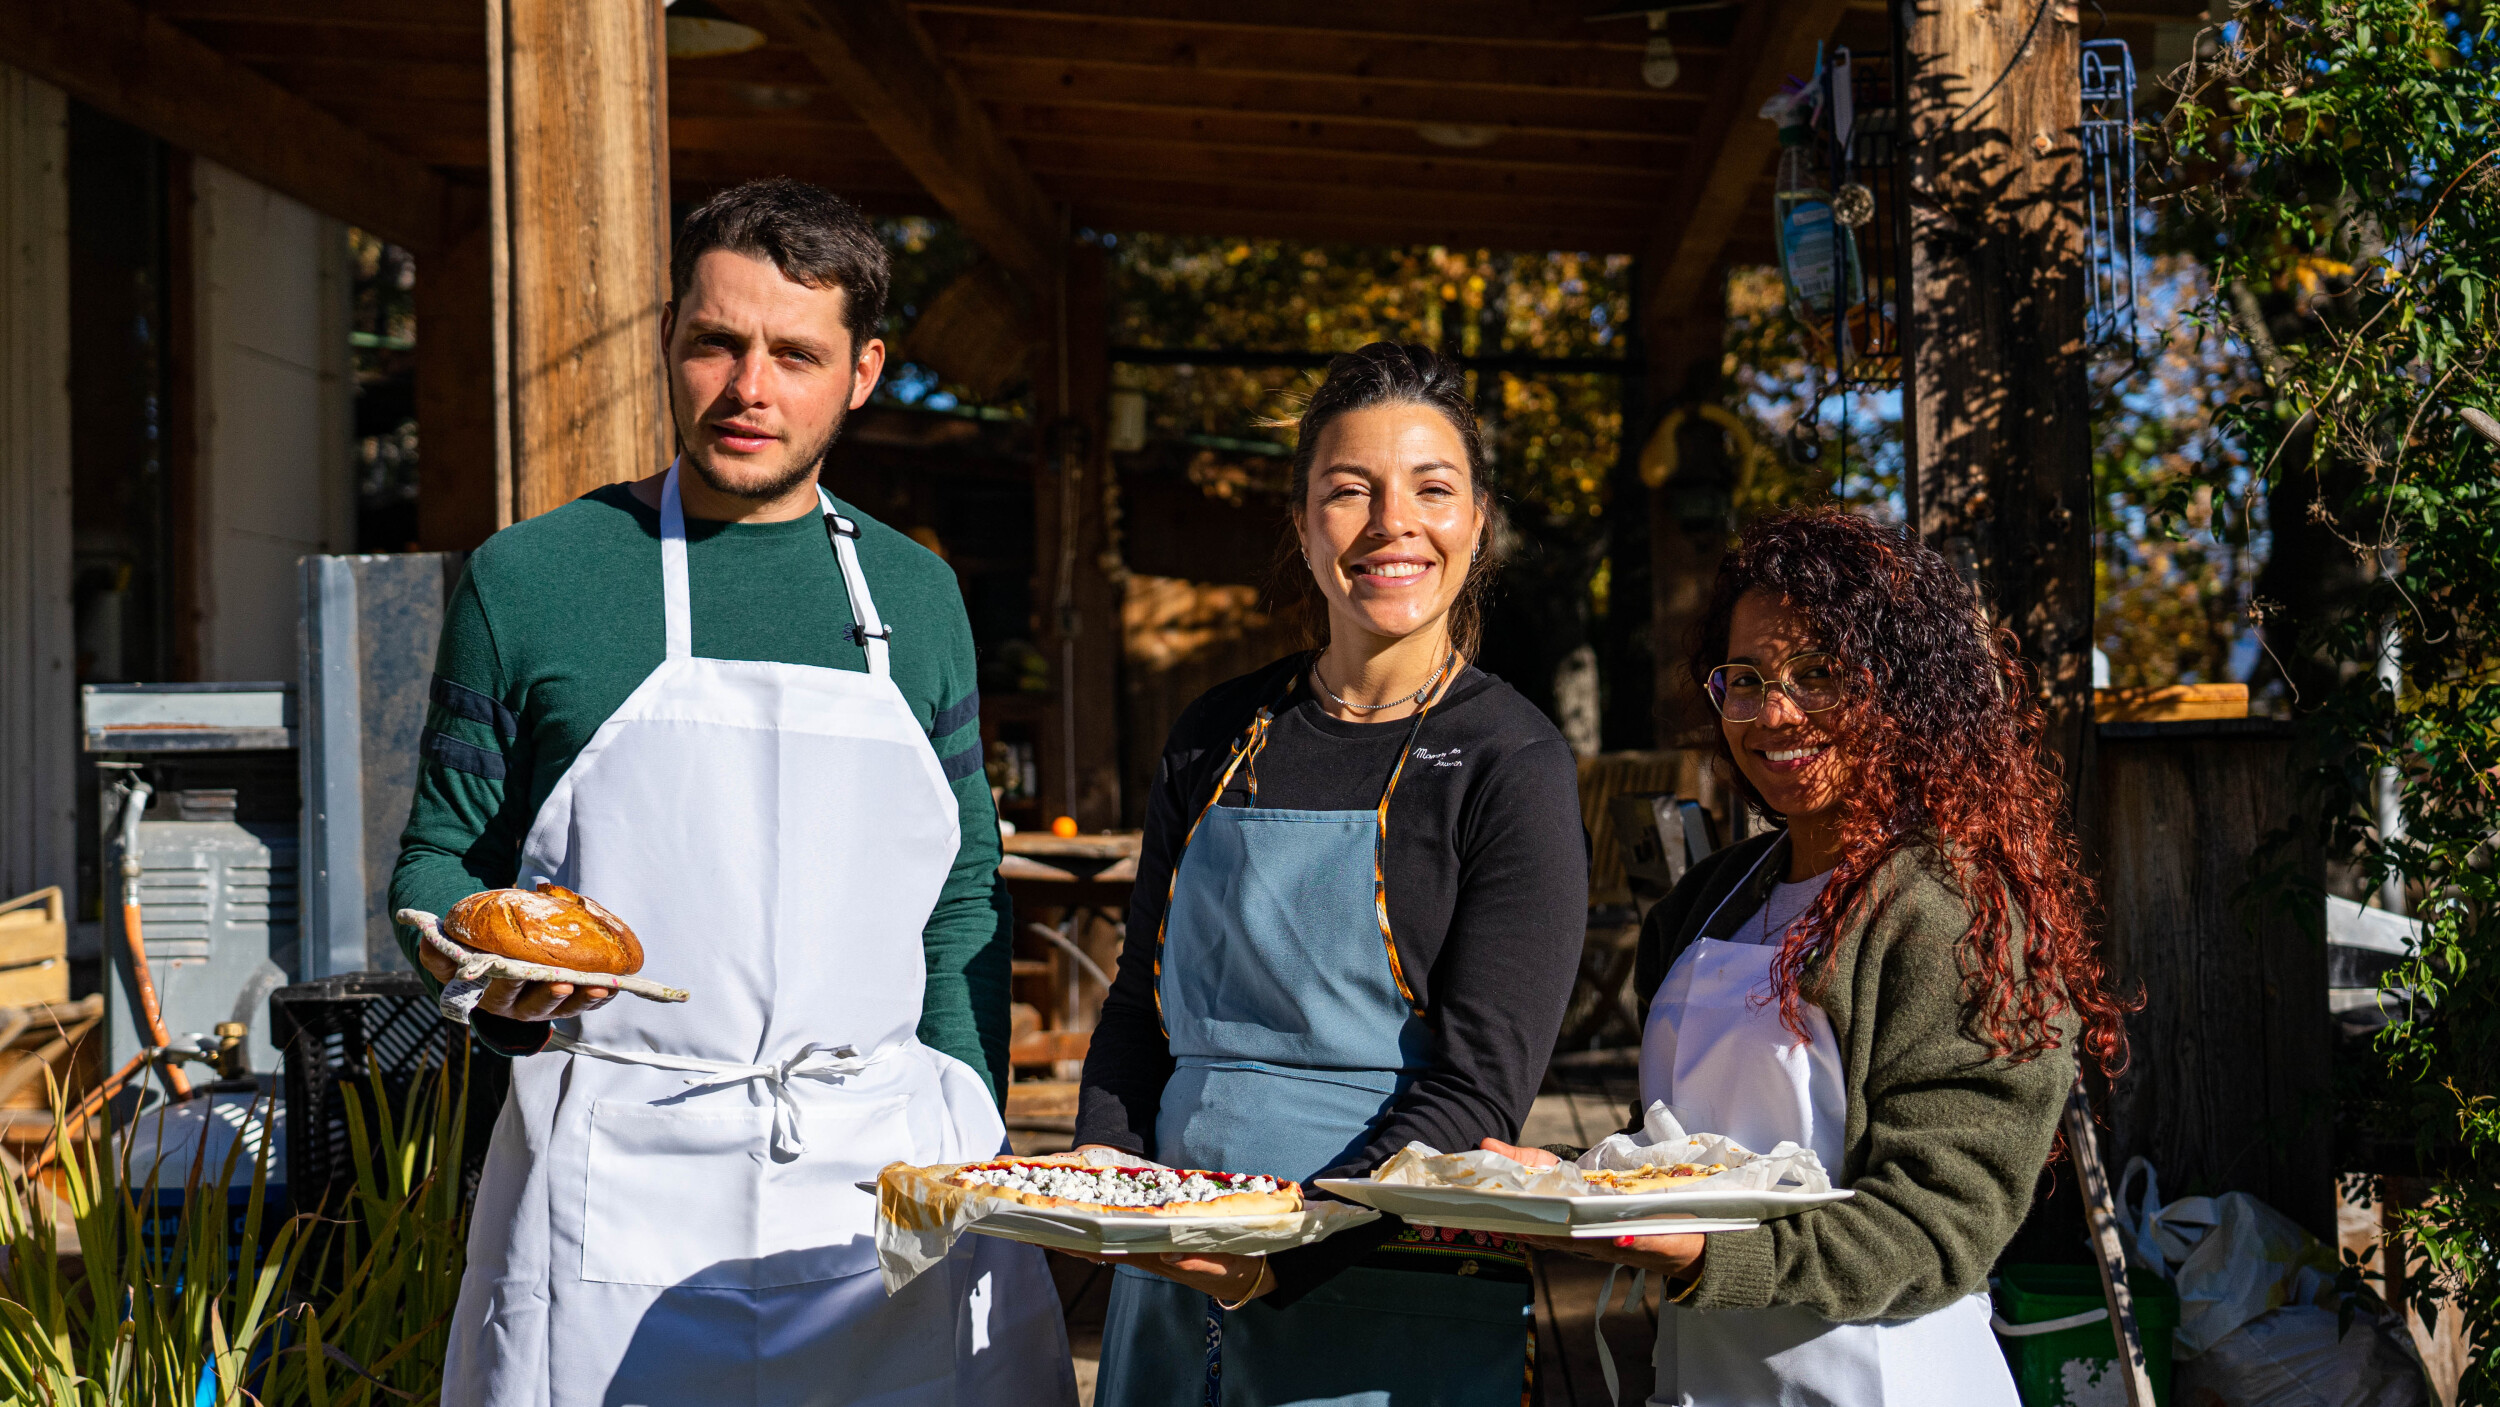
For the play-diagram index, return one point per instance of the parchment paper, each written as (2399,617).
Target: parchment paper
(919,1216)
(1662,1139)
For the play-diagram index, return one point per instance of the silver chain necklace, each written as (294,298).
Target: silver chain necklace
(1416,697)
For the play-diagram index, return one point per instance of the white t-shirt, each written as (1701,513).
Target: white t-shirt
(1787,904)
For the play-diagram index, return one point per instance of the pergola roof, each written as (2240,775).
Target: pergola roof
(1298,118)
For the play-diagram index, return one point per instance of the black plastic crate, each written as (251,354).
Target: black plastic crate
(327,1030)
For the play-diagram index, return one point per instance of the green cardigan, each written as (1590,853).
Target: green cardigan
(1943,1145)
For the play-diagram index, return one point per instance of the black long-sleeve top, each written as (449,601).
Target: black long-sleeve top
(1487,874)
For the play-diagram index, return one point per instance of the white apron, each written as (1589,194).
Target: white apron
(669,1213)
(1715,1049)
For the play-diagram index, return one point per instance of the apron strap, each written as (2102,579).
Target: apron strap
(674,597)
(1247,747)
(1741,881)
(1605,1351)
(676,600)
(870,632)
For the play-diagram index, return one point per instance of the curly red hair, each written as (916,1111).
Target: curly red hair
(1943,728)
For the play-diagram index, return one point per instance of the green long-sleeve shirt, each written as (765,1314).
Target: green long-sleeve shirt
(558,619)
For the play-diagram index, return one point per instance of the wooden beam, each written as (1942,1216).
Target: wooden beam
(578,113)
(456,499)
(1074,594)
(1062,160)
(1691,509)
(1373,61)
(376,14)
(1997,404)
(114,56)
(1340,227)
(1734,147)
(1628,155)
(1309,197)
(1504,22)
(885,66)
(1001,79)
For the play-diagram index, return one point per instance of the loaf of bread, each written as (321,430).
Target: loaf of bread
(554,926)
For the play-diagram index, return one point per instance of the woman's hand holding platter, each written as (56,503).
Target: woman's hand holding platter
(1233,1279)
(1677,1256)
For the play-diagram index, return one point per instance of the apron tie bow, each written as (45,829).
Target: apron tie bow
(810,1061)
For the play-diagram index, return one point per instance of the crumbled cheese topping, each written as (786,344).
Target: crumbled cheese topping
(1117,1187)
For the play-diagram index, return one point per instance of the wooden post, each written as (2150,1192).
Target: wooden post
(456,496)
(1692,479)
(2228,1086)
(1075,592)
(578,128)
(1999,446)
(38,642)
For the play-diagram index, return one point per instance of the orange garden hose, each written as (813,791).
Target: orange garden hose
(155,1016)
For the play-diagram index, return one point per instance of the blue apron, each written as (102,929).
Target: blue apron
(1292,1032)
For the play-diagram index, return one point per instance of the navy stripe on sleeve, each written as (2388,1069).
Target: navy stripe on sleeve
(434,745)
(962,764)
(464,702)
(956,715)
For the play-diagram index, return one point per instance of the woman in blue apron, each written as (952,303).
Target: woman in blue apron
(1359,911)
(1899,978)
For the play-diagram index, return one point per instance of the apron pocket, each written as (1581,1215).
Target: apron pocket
(815,1222)
(671,1199)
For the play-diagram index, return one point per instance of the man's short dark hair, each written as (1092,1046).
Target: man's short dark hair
(812,235)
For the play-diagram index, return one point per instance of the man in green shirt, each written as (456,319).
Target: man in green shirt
(741,715)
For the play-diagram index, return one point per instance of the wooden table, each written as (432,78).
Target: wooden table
(1081,877)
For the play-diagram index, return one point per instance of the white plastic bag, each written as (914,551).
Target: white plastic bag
(2231,1258)
(2293,1357)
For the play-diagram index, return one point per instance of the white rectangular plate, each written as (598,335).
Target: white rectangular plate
(1598,1214)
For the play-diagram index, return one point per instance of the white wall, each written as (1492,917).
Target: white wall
(38,689)
(274,400)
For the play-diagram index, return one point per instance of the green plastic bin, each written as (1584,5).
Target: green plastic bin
(2074,1367)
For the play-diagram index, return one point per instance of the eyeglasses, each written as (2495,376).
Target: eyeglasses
(1739,691)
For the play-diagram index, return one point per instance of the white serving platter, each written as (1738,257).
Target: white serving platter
(1511,1213)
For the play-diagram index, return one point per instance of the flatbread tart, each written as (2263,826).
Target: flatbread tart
(1130,1191)
(1651,1177)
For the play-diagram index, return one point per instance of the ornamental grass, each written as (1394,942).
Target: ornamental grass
(198,1300)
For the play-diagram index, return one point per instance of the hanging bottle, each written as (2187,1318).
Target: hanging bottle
(1801,210)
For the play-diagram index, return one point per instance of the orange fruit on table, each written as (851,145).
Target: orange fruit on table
(1064,828)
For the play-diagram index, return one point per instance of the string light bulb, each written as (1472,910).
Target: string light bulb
(1659,65)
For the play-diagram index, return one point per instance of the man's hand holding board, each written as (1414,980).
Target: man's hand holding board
(545,955)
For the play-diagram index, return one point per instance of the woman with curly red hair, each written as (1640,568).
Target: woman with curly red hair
(1900,977)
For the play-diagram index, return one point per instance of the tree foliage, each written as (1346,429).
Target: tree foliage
(2345,155)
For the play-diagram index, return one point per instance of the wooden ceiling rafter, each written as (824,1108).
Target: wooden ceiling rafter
(1640,154)
(1492,21)
(1000,81)
(140,68)
(1371,60)
(1054,158)
(918,107)
(367,14)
